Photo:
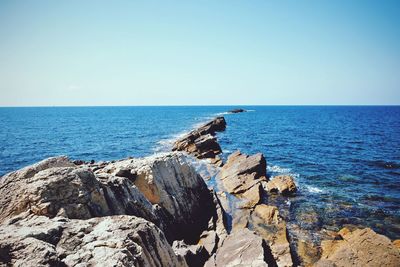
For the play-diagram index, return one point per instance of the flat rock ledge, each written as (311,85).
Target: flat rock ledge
(202,142)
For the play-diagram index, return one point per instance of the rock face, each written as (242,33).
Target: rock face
(283,184)
(272,228)
(362,247)
(184,203)
(50,187)
(171,199)
(241,172)
(202,142)
(105,241)
(241,248)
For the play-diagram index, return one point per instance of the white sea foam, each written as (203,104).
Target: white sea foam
(313,189)
(278,169)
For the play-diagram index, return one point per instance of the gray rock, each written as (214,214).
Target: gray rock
(104,241)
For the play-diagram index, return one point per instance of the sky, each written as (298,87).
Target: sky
(95,53)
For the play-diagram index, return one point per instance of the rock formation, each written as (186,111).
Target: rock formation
(202,142)
(283,184)
(171,199)
(103,241)
(241,172)
(237,110)
(361,247)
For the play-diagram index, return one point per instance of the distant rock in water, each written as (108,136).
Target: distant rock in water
(238,110)
(202,142)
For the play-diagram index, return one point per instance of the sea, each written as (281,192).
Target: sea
(344,159)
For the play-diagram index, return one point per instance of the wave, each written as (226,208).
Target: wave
(313,189)
(278,169)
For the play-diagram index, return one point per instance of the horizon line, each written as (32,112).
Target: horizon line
(205,105)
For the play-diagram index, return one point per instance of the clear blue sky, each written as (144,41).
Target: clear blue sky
(199,52)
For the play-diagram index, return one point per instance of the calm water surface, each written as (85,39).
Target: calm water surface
(345,159)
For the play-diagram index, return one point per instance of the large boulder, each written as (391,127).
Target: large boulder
(361,247)
(202,142)
(169,182)
(283,184)
(104,241)
(236,110)
(53,186)
(241,172)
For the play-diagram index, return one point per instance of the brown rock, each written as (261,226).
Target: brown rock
(362,247)
(202,142)
(283,184)
(241,172)
(270,214)
(241,248)
(396,243)
(251,197)
(268,224)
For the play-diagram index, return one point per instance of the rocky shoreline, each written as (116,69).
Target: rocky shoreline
(159,211)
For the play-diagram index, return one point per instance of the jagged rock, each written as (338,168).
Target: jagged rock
(202,142)
(105,241)
(241,172)
(283,184)
(270,214)
(171,183)
(194,255)
(250,198)
(237,110)
(49,188)
(266,221)
(240,248)
(361,247)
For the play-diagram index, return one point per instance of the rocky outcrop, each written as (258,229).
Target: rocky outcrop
(283,184)
(202,142)
(51,187)
(237,110)
(164,190)
(241,248)
(241,172)
(361,247)
(105,241)
(170,183)
(266,221)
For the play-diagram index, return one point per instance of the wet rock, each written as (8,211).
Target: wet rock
(237,110)
(105,241)
(361,247)
(241,248)
(283,184)
(202,142)
(265,220)
(307,252)
(241,172)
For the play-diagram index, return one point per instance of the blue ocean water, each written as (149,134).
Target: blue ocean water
(345,159)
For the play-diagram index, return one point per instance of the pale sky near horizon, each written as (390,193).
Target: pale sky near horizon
(199,52)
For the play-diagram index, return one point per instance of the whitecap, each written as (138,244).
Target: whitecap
(278,169)
(313,189)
